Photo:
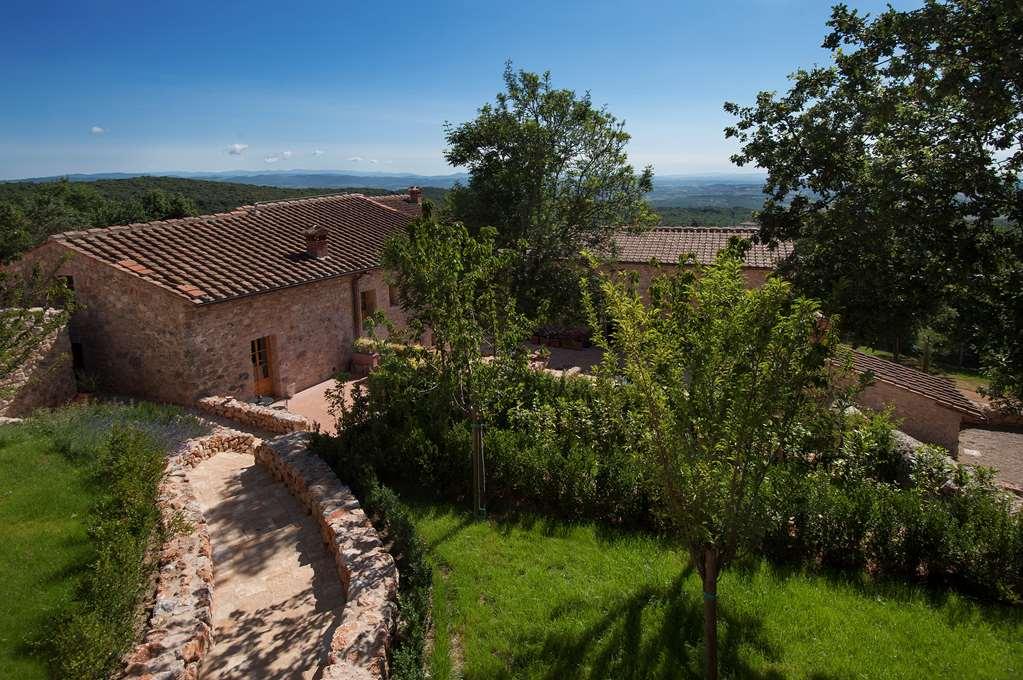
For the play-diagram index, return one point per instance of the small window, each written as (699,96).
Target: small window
(69,282)
(368,299)
(392,296)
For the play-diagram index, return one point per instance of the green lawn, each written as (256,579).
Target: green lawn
(44,502)
(534,599)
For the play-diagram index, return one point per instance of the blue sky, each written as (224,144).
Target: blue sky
(148,86)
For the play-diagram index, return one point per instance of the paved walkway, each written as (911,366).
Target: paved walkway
(277,592)
(314,405)
(999,449)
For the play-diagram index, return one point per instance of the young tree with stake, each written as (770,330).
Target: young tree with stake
(727,378)
(453,284)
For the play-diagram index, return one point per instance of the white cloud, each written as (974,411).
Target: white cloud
(355,159)
(285,155)
(96,130)
(237,149)
(272,158)
(374,161)
(318,152)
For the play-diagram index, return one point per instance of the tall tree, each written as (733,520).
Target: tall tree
(896,170)
(729,380)
(549,171)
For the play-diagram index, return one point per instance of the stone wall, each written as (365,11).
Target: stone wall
(47,378)
(310,329)
(359,646)
(646,273)
(130,332)
(919,416)
(255,416)
(179,631)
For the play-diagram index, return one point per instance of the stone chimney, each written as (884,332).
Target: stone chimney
(415,194)
(316,241)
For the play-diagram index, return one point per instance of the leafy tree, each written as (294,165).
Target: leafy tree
(727,382)
(32,213)
(896,169)
(453,284)
(549,171)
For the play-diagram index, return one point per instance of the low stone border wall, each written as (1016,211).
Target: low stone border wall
(180,628)
(360,643)
(256,416)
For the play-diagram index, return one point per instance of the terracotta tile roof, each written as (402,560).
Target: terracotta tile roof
(253,249)
(400,202)
(667,244)
(938,388)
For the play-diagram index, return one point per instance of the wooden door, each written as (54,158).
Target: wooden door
(261,366)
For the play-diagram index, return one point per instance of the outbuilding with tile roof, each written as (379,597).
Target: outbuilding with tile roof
(928,407)
(657,251)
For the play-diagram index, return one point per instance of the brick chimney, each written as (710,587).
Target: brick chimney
(415,194)
(316,241)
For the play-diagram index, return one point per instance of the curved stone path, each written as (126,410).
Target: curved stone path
(277,595)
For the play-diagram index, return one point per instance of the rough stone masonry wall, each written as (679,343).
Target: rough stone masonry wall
(645,274)
(256,416)
(310,329)
(359,646)
(919,416)
(179,632)
(46,379)
(130,330)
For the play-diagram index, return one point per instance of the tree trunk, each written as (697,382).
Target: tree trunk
(710,611)
(478,470)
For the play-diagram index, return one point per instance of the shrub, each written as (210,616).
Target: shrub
(849,498)
(96,628)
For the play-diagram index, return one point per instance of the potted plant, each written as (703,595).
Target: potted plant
(365,356)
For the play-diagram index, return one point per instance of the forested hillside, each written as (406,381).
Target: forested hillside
(31,211)
(703,216)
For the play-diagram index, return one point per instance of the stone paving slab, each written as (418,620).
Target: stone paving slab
(277,597)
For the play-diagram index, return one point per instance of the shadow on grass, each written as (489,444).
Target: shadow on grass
(628,642)
(958,607)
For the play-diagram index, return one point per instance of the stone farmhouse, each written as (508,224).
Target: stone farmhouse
(263,300)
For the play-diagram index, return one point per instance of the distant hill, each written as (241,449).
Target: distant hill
(209,196)
(725,190)
(330,179)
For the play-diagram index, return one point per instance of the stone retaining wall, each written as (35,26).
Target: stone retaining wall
(360,643)
(46,378)
(179,632)
(256,416)
(180,628)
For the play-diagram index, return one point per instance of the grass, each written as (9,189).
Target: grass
(44,502)
(538,599)
(69,491)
